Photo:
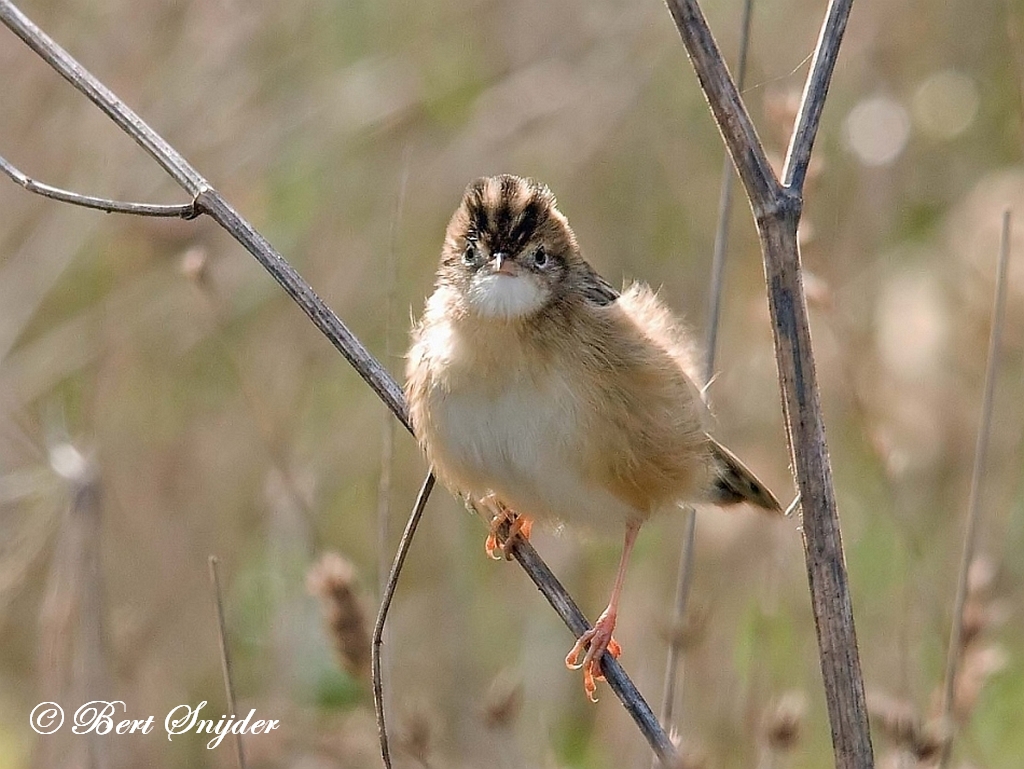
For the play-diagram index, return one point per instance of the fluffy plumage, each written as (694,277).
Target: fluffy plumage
(531,381)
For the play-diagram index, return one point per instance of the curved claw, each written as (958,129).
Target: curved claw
(491,547)
(596,641)
(518,530)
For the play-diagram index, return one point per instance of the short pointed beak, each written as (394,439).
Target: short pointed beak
(503,264)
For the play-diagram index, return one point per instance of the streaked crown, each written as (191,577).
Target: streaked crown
(510,227)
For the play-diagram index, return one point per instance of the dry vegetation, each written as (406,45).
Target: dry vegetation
(161,400)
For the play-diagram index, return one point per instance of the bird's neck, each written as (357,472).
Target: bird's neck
(475,343)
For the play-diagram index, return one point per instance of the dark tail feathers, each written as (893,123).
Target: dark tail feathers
(734,483)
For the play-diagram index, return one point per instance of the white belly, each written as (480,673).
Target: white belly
(522,444)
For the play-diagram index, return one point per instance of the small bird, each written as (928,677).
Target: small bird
(538,391)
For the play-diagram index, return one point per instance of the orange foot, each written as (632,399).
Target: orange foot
(597,641)
(518,530)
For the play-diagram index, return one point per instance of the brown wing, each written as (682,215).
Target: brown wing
(644,417)
(733,482)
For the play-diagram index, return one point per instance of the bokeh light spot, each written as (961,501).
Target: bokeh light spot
(876,130)
(945,104)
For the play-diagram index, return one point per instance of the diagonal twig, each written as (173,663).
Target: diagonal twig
(798,157)
(730,113)
(208,201)
(176,210)
(980,461)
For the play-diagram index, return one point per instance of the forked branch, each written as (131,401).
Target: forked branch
(730,112)
(777,207)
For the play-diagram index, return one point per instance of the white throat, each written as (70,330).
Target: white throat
(506,297)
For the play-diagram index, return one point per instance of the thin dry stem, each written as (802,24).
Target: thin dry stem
(724,213)
(382,614)
(387,449)
(388,432)
(980,461)
(826,52)
(225,657)
(777,211)
(179,211)
(209,201)
(684,578)
(683,582)
(73,655)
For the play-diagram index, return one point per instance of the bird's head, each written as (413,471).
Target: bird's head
(508,250)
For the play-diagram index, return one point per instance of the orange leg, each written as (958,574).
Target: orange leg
(598,639)
(518,530)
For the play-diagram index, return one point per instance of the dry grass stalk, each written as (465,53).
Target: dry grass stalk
(957,650)
(73,655)
(978,659)
(225,656)
(684,580)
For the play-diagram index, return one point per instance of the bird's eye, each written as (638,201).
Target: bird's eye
(470,257)
(540,257)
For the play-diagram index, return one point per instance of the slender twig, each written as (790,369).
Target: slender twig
(180,211)
(683,582)
(209,201)
(798,157)
(724,211)
(382,614)
(730,113)
(369,368)
(980,461)
(169,158)
(388,432)
(387,448)
(225,657)
(614,673)
(684,577)
(777,211)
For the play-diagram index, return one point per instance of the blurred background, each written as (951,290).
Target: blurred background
(161,400)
